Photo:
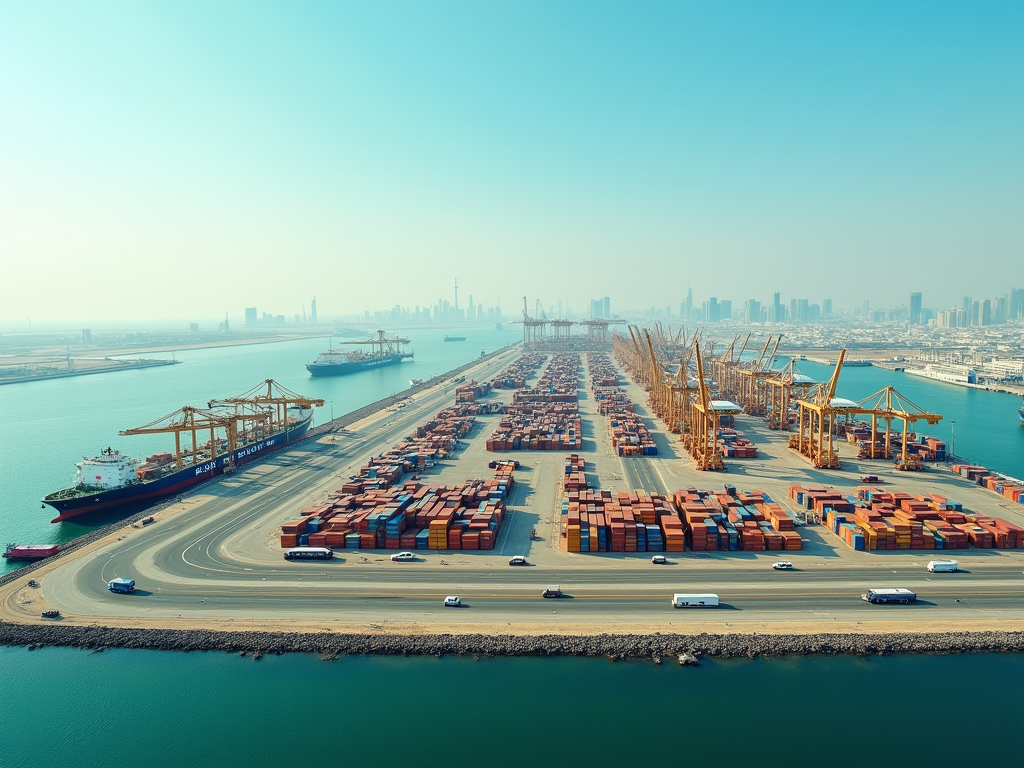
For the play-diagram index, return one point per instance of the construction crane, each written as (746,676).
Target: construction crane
(889,405)
(533,329)
(817,419)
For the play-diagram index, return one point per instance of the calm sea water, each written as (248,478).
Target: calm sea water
(47,426)
(124,709)
(133,708)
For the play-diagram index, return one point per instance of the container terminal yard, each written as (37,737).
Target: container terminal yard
(630,445)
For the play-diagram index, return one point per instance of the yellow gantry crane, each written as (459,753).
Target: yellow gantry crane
(889,405)
(189,420)
(817,419)
(781,387)
(271,398)
(383,344)
(703,440)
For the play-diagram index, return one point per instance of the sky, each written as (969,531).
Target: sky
(185,159)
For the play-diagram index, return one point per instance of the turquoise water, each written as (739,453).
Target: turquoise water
(988,429)
(47,426)
(124,709)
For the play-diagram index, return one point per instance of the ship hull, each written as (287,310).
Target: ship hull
(174,482)
(341,369)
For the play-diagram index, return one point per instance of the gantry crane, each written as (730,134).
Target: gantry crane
(382,345)
(753,391)
(533,328)
(194,420)
(703,440)
(782,385)
(888,404)
(271,398)
(816,422)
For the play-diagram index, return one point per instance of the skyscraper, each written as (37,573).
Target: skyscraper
(915,308)
(250,315)
(312,311)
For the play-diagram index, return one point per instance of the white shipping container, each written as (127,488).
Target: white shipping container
(694,601)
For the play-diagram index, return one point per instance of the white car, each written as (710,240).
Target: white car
(783,565)
(401,557)
(659,560)
(452,601)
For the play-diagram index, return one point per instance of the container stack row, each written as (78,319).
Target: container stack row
(432,441)
(735,521)
(471,392)
(602,370)
(515,375)
(732,444)
(545,417)
(411,516)
(883,519)
(629,435)
(1005,487)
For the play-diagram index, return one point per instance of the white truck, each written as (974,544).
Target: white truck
(694,601)
(889,595)
(943,566)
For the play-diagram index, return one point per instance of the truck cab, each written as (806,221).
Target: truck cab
(123,586)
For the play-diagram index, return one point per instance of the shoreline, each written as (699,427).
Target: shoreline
(126,366)
(613,646)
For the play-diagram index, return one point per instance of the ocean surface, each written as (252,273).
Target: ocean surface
(46,426)
(125,709)
(140,708)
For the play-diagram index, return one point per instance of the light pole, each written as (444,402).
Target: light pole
(952,440)
(332,410)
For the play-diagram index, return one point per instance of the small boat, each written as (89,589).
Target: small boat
(30,551)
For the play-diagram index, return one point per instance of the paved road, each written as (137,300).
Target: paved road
(212,561)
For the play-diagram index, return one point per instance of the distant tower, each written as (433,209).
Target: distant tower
(250,315)
(915,308)
(312,311)
(456,298)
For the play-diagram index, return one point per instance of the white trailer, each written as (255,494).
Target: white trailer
(694,601)
(889,595)
(943,566)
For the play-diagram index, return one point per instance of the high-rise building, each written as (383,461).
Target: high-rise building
(689,304)
(606,307)
(86,336)
(865,311)
(826,308)
(250,315)
(752,311)
(713,312)
(312,311)
(915,308)
(725,309)
(985,312)
(968,307)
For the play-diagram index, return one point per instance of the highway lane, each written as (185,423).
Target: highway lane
(213,561)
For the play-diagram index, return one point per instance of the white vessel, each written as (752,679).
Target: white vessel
(948,372)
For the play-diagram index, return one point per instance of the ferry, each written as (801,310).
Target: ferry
(947,372)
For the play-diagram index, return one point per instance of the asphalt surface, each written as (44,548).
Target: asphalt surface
(219,559)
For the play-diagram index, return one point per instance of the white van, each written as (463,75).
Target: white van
(694,601)
(943,566)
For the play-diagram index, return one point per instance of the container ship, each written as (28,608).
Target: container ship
(225,435)
(384,350)
(454,338)
(947,372)
(1020,412)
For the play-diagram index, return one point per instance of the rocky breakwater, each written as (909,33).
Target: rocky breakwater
(654,646)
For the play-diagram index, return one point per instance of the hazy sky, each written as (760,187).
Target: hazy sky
(182,159)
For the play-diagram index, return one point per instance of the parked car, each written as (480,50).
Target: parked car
(518,560)
(554,591)
(783,565)
(452,601)
(871,479)
(401,557)
(659,560)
